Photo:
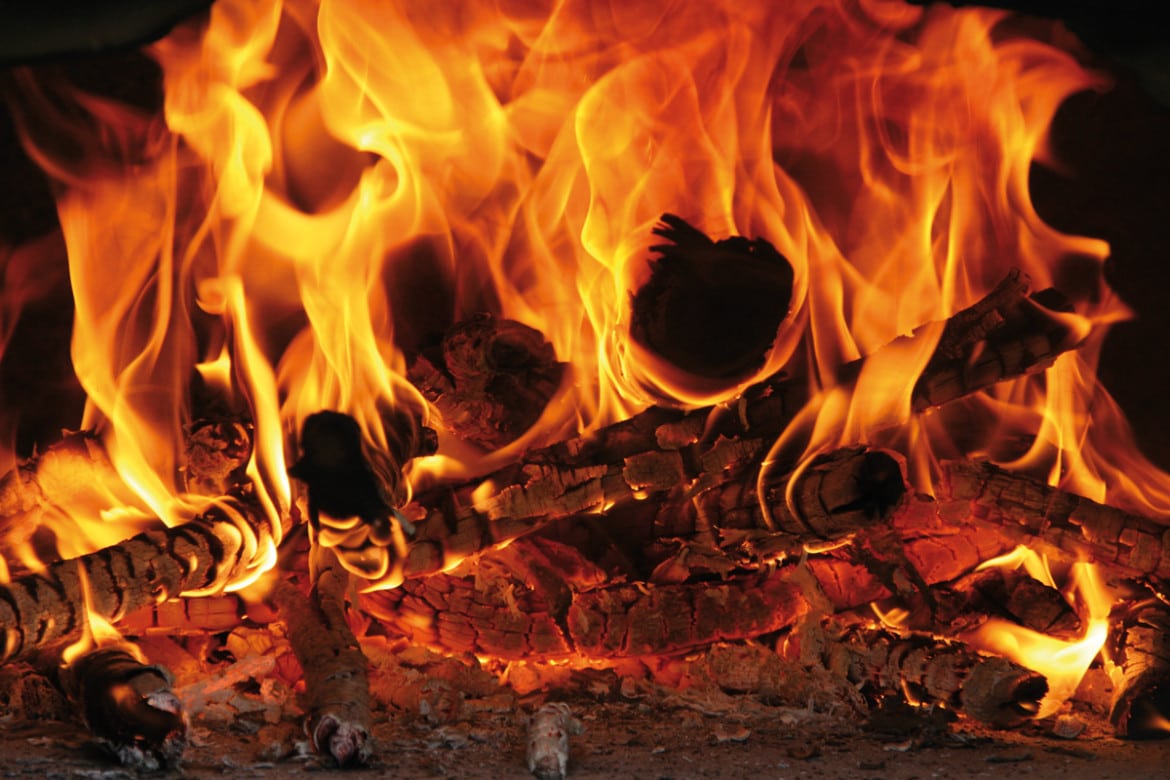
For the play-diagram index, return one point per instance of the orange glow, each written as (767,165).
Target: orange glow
(329,181)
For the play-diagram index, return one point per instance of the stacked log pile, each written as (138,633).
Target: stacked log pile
(663,533)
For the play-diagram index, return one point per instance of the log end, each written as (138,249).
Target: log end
(711,308)
(1002,694)
(346,742)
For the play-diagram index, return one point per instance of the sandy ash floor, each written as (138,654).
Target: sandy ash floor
(620,740)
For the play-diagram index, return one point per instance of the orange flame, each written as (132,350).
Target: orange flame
(1063,663)
(331,180)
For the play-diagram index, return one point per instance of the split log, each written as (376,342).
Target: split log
(711,308)
(337,690)
(1139,644)
(214,549)
(989,689)
(130,707)
(490,379)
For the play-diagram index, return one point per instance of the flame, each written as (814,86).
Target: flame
(1063,663)
(328,182)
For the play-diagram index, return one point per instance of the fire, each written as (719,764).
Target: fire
(1063,663)
(330,181)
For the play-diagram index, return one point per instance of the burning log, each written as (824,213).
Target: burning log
(129,706)
(968,602)
(510,619)
(1140,646)
(711,308)
(1034,513)
(490,379)
(337,690)
(989,689)
(216,547)
(655,452)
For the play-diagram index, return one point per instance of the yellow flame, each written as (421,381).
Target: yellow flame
(1063,663)
(332,181)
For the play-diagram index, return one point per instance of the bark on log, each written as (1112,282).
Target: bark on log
(1140,645)
(203,555)
(337,690)
(130,707)
(989,689)
(1071,526)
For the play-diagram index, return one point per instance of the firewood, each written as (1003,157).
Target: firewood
(1139,645)
(548,740)
(1070,526)
(711,308)
(966,603)
(490,379)
(203,555)
(989,689)
(491,612)
(337,690)
(76,472)
(658,450)
(129,706)
(216,457)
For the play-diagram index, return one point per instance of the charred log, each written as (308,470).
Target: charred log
(1140,646)
(203,555)
(1032,512)
(490,379)
(337,690)
(989,689)
(966,603)
(130,707)
(711,308)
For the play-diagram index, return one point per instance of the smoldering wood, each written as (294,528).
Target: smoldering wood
(490,379)
(926,670)
(129,706)
(1139,644)
(711,308)
(337,689)
(204,554)
(492,611)
(216,456)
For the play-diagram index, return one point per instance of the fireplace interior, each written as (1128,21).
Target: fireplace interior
(584,388)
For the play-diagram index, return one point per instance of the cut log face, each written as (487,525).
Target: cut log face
(711,308)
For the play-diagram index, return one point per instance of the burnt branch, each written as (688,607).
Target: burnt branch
(989,689)
(337,689)
(129,707)
(205,554)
